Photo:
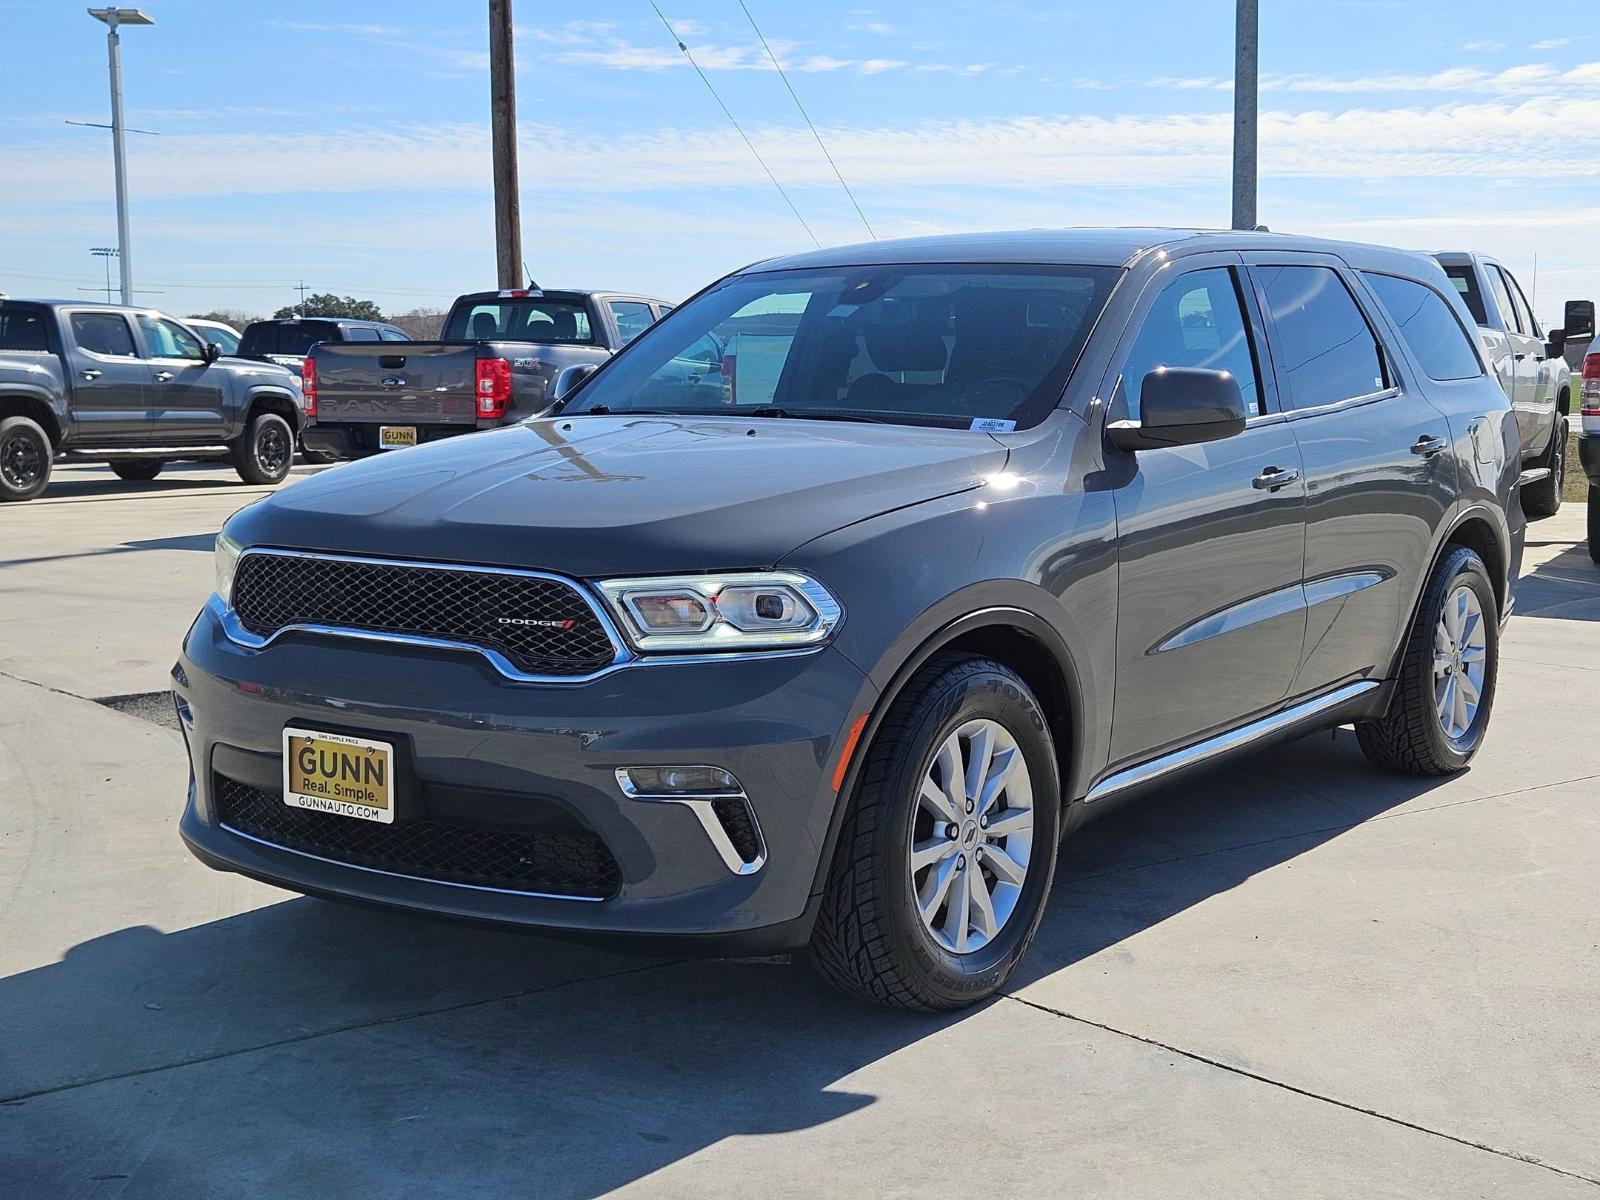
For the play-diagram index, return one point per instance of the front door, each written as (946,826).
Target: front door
(187,394)
(108,380)
(1380,476)
(1210,538)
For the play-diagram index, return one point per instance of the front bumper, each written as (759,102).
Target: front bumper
(475,749)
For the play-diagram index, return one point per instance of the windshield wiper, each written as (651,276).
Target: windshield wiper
(605,410)
(813,414)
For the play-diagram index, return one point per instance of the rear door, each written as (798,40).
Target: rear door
(1210,538)
(188,396)
(1526,351)
(1380,478)
(109,380)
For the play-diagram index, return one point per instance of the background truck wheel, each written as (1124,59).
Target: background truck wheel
(1445,691)
(138,469)
(1543,499)
(1594,524)
(25,458)
(263,453)
(946,855)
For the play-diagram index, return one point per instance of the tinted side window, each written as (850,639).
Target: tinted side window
(1502,299)
(23,329)
(1323,344)
(392,335)
(103,333)
(632,318)
(1466,281)
(1524,309)
(1429,327)
(167,339)
(360,333)
(1197,321)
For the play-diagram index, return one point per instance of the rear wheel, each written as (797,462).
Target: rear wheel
(1543,499)
(25,459)
(942,868)
(1445,691)
(137,469)
(263,453)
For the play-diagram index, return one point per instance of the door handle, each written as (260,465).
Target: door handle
(1274,478)
(163,376)
(1428,445)
(92,375)
(1520,357)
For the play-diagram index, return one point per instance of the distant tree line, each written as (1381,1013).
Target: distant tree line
(423,324)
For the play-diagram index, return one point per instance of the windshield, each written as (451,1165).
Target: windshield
(544,321)
(227,339)
(982,347)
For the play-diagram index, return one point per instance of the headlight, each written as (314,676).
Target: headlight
(227,562)
(764,610)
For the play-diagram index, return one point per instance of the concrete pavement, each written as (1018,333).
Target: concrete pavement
(1297,977)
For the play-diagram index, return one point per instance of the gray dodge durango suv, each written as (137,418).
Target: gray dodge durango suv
(823,612)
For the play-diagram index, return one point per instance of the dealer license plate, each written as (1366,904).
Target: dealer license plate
(332,773)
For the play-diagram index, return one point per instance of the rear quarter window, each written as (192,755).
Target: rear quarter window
(23,329)
(1429,327)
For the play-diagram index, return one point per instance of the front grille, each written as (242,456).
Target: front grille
(733,814)
(552,863)
(543,626)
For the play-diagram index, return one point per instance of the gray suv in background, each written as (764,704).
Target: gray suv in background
(968,540)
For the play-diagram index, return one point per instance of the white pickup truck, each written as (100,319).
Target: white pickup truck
(1531,369)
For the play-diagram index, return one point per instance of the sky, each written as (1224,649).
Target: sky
(347,146)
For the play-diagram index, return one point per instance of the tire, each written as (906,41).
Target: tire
(138,470)
(1543,499)
(1594,524)
(870,938)
(25,459)
(264,452)
(1411,736)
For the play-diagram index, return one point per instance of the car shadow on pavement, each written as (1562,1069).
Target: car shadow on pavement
(1565,588)
(200,542)
(309,1049)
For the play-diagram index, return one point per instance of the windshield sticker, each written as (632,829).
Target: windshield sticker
(991,425)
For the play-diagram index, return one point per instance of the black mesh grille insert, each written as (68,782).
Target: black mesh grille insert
(734,816)
(562,864)
(544,626)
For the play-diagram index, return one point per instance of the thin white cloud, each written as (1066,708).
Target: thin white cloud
(1551,43)
(1527,79)
(1484,47)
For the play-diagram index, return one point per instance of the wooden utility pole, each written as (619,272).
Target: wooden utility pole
(503,118)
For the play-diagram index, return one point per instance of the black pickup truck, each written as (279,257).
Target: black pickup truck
(133,388)
(504,356)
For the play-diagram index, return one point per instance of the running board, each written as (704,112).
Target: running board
(1533,475)
(1234,739)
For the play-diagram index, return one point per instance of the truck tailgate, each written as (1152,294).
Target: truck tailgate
(422,382)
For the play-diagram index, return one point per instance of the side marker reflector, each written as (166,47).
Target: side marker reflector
(849,750)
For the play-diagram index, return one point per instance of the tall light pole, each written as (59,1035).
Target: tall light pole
(107,253)
(1245,54)
(113,17)
(503,128)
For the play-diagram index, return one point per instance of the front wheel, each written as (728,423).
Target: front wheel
(25,459)
(1543,499)
(263,453)
(940,875)
(1440,709)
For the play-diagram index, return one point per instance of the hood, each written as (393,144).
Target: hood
(604,495)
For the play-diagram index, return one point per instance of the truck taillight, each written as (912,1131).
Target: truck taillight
(1591,387)
(308,385)
(493,388)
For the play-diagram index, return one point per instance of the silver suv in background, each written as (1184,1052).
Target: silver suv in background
(1530,366)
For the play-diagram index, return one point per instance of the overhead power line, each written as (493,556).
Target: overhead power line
(837,174)
(732,120)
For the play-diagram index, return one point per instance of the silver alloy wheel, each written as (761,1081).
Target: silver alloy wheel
(972,836)
(1460,656)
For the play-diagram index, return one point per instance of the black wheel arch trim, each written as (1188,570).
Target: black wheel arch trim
(254,397)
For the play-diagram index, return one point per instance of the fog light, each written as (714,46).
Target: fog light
(677,781)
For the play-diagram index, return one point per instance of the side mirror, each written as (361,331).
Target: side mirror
(570,378)
(1182,406)
(1579,320)
(1555,343)
(213,352)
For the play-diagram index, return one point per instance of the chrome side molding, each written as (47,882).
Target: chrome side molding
(1222,743)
